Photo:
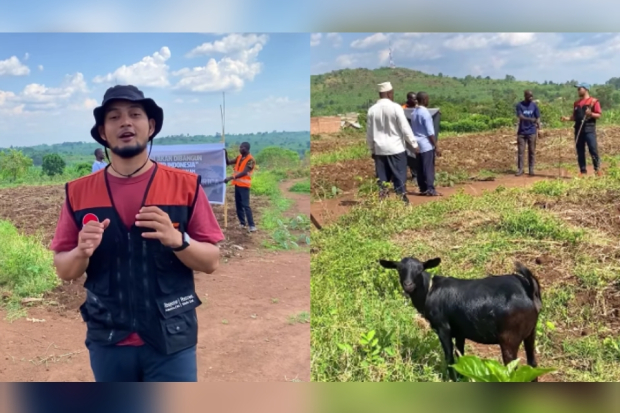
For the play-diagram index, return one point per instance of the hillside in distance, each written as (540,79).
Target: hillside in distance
(354,90)
(79,151)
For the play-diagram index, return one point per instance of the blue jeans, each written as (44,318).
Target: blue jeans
(141,364)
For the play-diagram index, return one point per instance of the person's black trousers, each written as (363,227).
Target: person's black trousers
(392,168)
(242,203)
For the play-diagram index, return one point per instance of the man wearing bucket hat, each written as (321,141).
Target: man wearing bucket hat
(138,230)
(586,111)
(388,137)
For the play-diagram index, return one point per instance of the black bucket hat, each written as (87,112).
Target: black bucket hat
(133,94)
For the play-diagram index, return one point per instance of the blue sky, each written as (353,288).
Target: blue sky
(49,83)
(588,57)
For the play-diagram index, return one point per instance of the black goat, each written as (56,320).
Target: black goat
(493,310)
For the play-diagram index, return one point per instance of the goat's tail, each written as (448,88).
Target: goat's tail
(534,284)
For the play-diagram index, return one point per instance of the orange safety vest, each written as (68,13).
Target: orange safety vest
(244,181)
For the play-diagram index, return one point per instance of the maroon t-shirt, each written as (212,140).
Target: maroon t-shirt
(128,194)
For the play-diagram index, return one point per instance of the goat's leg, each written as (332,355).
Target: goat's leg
(530,350)
(510,351)
(445,339)
(460,345)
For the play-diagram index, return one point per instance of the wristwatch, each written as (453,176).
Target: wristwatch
(184,245)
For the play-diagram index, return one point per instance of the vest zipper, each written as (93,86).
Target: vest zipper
(131,294)
(145,279)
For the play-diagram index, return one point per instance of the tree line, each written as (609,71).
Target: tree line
(78,152)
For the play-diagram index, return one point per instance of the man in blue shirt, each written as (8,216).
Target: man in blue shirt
(529,123)
(99,162)
(424,133)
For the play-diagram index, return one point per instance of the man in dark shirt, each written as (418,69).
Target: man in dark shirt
(586,111)
(529,123)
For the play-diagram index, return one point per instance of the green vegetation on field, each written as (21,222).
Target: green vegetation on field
(301,187)
(469,104)
(285,233)
(363,329)
(26,267)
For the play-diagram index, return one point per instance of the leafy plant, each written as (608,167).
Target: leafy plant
(53,164)
(492,371)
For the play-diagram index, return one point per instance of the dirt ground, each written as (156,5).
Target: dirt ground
(493,151)
(246,332)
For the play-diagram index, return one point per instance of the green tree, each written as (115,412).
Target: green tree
(14,164)
(53,164)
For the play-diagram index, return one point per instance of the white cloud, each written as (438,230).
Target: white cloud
(90,103)
(336,39)
(370,41)
(229,73)
(151,71)
(71,94)
(315,39)
(348,60)
(13,67)
(280,113)
(408,48)
(41,68)
(484,40)
(26,56)
(232,44)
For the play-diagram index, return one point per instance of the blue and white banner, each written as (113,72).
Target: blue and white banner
(205,159)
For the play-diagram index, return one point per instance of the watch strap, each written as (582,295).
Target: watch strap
(184,245)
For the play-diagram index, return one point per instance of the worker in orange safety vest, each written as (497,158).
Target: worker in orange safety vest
(244,166)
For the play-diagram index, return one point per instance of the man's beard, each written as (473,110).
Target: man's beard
(129,152)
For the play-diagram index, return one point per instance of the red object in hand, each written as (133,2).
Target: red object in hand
(89,217)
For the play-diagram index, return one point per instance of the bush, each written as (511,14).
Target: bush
(274,157)
(82,169)
(53,164)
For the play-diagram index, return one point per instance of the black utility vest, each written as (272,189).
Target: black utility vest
(136,284)
(580,112)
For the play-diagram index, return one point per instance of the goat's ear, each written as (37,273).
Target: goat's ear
(432,263)
(392,265)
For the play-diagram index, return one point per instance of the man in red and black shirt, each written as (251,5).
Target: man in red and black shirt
(586,111)
(138,230)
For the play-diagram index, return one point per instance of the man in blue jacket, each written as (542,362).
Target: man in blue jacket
(528,115)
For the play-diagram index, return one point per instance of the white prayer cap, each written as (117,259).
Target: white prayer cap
(384,87)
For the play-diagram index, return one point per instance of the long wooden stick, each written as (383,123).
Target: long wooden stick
(223,113)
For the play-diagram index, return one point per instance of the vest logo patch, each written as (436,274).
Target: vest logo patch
(89,217)
(179,303)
